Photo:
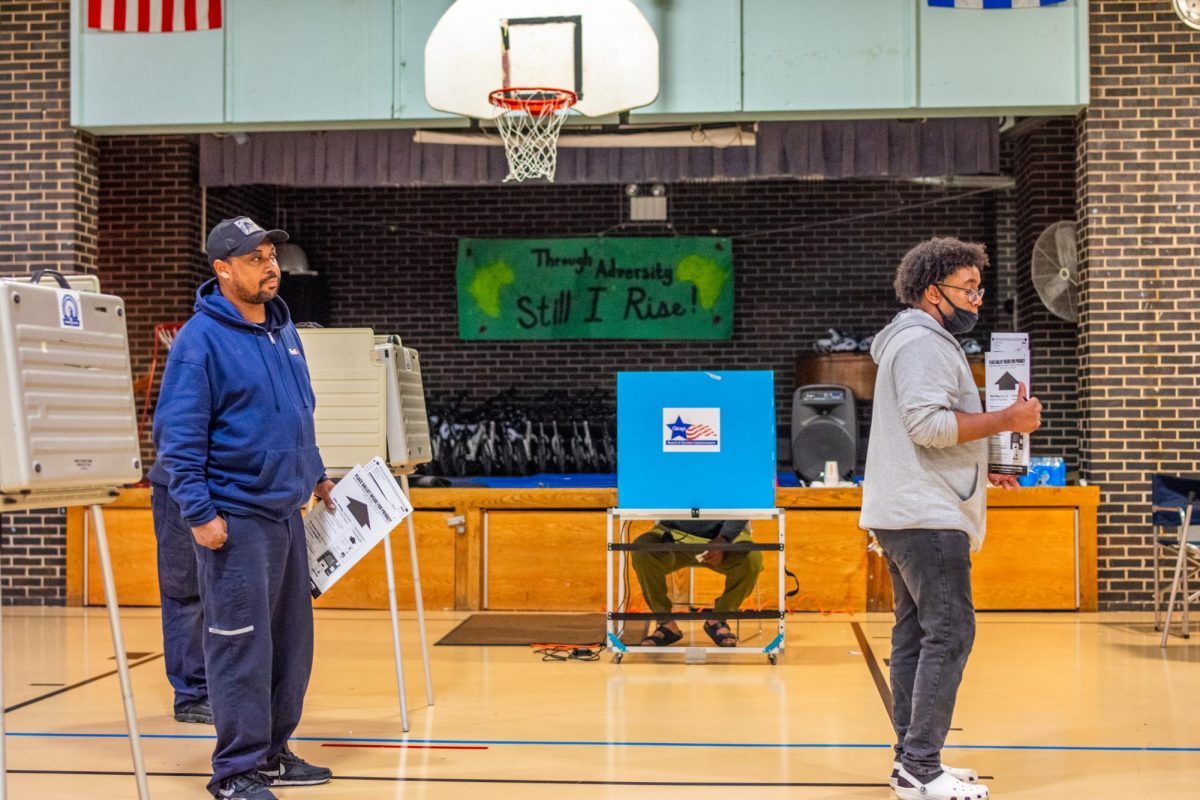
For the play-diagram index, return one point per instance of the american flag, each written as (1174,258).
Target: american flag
(696,431)
(153,16)
(993,3)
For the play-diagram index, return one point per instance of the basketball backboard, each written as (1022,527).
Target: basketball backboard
(602,50)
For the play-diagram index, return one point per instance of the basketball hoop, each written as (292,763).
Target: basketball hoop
(529,121)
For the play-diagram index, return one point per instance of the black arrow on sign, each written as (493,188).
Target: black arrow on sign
(1007,382)
(358,509)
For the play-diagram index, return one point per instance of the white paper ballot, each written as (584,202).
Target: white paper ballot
(1010,342)
(369,505)
(1008,452)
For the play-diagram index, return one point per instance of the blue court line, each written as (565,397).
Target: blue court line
(567,743)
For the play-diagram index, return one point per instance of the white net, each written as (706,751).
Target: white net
(530,131)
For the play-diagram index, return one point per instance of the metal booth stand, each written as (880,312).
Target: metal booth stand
(57,345)
(692,446)
(618,544)
(371,402)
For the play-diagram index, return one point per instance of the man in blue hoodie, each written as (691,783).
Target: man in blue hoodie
(237,446)
(925,499)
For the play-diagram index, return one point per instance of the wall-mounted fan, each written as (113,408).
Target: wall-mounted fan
(1188,11)
(1055,270)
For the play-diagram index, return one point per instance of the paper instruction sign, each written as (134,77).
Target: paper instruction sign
(1007,367)
(369,505)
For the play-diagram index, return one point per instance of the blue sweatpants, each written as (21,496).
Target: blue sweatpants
(258,646)
(179,593)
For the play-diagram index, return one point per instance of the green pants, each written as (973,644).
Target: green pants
(653,566)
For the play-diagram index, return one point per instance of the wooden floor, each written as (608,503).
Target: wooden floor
(1053,705)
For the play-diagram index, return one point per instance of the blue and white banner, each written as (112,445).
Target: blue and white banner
(993,3)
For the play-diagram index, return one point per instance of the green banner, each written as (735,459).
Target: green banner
(610,288)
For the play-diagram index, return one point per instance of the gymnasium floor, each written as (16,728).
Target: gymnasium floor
(1053,705)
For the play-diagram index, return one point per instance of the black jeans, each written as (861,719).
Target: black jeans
(932,637)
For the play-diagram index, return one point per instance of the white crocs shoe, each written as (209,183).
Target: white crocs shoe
(962,773)
(944,787)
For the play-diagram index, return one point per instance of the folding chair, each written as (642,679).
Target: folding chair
(1174,506)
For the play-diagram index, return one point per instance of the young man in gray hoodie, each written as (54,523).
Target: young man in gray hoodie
(925,500)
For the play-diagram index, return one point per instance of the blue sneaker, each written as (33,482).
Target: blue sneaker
(247,786)
(289,769)
(196,711)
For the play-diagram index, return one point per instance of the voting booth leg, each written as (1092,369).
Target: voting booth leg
(608,583)
(416,577)
(391,584)
(782,629)
(114,621)
(3,732)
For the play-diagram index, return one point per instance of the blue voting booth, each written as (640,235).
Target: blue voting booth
(693,445)
(696,440)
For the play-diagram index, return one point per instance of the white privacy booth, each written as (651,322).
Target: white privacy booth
(68,432)
(371,403)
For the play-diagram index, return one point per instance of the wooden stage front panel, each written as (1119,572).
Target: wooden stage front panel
(543,549)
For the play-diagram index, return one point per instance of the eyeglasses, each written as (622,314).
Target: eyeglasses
(974,295)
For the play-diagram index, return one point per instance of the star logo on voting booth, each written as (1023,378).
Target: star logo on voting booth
(692,430)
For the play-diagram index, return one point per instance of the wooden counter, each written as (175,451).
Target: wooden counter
(544,549)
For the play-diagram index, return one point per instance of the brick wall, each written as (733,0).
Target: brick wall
(149,239)
(1005,257)
(805,258)
(1139,337)
(1044,168)
(48,195)
(48,202)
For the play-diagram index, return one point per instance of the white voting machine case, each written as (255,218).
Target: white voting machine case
(350,384)
(68,430)
(67,419)
(407,419)
(370,398)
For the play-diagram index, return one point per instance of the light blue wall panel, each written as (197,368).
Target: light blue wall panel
(415,20)
(700,55)
(302,60)
(145,78)
(827,54)
(307,62)
(1008,57)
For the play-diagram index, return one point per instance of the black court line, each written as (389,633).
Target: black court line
(885,692)
(84,682)
(523,781)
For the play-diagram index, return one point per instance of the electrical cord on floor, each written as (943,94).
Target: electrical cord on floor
(567,652)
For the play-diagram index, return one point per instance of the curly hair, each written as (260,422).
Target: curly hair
(932,262)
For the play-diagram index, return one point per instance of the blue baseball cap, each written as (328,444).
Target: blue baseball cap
(239,236)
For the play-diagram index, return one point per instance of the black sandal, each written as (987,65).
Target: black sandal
(661,637)
(727,639)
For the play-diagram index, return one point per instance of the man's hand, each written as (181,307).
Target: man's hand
(323,490)
(1007,482)
(211,534)
(1025,414)
(711,558)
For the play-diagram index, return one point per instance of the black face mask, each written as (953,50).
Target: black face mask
(962,321)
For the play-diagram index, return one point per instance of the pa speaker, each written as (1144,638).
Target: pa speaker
(824,428)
